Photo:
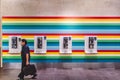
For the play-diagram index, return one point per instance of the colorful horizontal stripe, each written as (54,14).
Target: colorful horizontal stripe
(61,27)
(53,31)
(107,29)
(74,48)
(61,34)
(63,60)
(65,57)
(74,44)
(73,40)
(77,53)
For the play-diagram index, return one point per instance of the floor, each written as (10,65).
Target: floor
(65,74)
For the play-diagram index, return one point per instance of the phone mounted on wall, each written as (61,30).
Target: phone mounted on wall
(14,44)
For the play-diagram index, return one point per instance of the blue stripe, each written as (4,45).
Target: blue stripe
(73,47)
(74,44)
(61,26)
(80,26)
(72,60)
(58,31)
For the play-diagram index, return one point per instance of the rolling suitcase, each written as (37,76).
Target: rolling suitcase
(29,70)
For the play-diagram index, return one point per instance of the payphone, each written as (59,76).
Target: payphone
(65,44)
(40,44)
(14,44)
(90,44)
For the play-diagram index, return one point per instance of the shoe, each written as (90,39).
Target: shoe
(34,76)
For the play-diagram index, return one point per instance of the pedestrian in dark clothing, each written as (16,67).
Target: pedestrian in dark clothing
(25,56)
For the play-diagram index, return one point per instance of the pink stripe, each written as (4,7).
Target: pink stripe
(62,17)
(61,34)
(73,50)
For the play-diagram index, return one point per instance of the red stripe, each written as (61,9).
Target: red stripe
(73,50)
(63,17)
(33,50)
(52,50)
(30,34)
(108,50)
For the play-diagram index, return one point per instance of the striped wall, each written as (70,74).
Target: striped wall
(107,29)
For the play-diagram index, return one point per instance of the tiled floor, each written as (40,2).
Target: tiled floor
(65,74)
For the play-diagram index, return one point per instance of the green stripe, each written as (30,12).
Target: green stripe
(108,40)
(52,40)
(6,40)
(64,57)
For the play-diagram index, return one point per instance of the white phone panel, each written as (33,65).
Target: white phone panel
(40,44)
(90,44)
(14,44)
(65,44)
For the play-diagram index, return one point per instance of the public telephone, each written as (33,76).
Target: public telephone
(90,44)
(14,44)
(65,44)
(40,44)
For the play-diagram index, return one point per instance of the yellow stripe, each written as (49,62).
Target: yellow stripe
(61,22)
(74,19)
(67,20)
(4,37)
(73,53)
(67,55)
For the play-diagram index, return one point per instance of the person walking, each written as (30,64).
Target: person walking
(25,56)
